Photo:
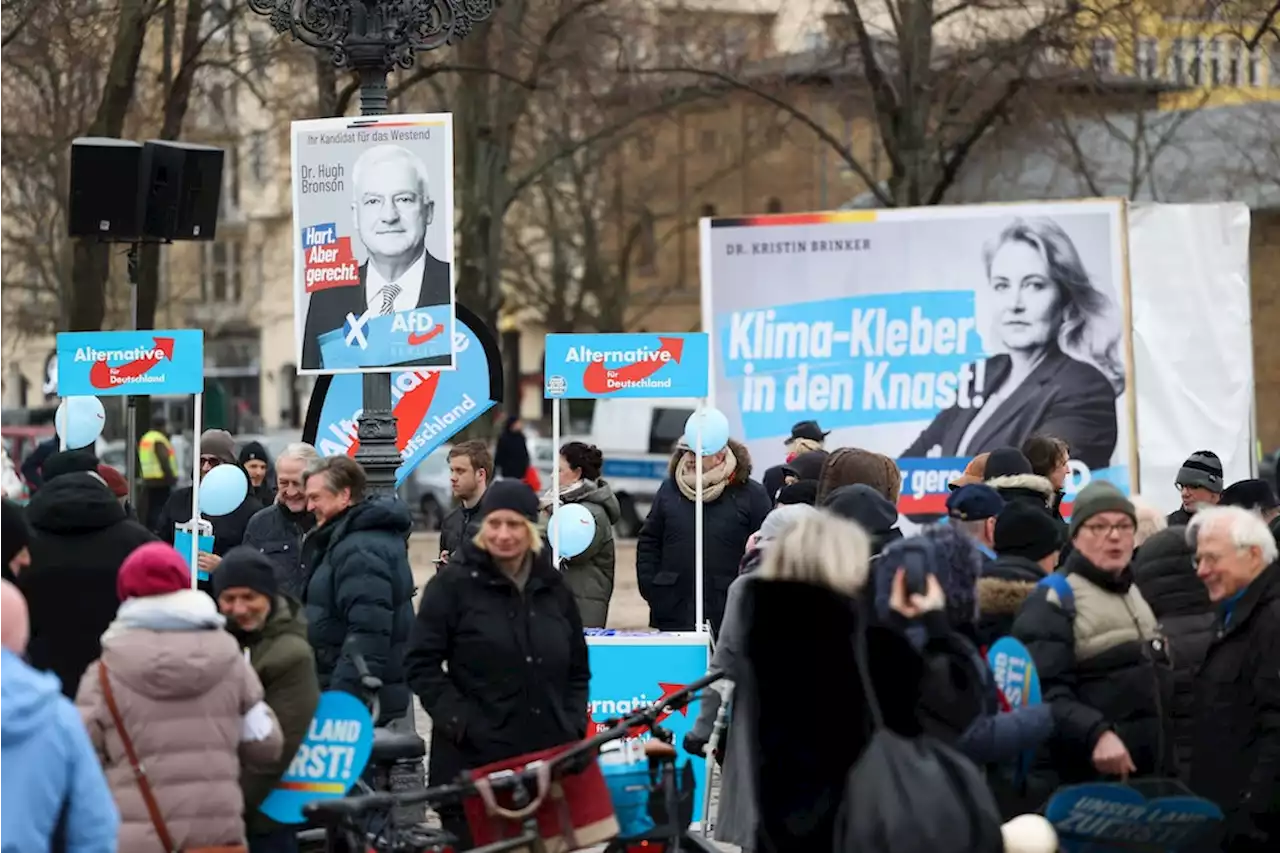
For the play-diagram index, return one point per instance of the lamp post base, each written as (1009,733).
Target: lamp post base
(376,429)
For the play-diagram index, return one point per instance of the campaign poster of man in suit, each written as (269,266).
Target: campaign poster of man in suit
(384,301)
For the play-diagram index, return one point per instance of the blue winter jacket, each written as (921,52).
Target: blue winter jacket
(48,765)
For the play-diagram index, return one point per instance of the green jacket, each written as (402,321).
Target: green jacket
(590,574)
(282,658)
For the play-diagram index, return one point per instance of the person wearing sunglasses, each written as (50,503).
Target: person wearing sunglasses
(1103,660)
(217,447)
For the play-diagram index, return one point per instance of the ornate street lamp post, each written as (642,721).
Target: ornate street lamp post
(372,37)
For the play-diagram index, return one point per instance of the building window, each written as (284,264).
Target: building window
(773,134)
(773,205)
(1274,64)
(1178,61)
(1195,70)
(220,272)
(1147,57)
(1235,55)
(707,141)
(708,210)
(229,200)
(1253,68)
(1215,62)
(259,157)
(644,147)
(646,245)
(1103,55)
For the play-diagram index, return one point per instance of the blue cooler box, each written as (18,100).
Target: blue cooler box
(628,784)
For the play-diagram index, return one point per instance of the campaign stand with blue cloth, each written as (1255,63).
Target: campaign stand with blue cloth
(630,670)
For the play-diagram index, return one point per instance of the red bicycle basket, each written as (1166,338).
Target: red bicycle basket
(573,812)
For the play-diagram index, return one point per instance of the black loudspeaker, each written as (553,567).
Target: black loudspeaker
(105,179)
(184,183)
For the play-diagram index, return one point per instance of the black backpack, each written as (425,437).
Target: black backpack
(912,795)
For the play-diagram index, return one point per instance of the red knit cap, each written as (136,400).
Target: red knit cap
(152,569)
(114,479)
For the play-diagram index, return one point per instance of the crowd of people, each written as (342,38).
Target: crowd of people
(1156,640)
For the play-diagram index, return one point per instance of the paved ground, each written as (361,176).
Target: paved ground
(627,610)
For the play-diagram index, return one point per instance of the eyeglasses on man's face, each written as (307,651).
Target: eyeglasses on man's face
(1103,529)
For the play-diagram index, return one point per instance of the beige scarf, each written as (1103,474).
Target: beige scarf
(714,480)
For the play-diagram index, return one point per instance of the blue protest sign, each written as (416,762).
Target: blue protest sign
(631,672)
(328,762)
(1158,816)
(1015,672)
(631,365)
(145,363)
(420,336)
(182,544)
(430,406)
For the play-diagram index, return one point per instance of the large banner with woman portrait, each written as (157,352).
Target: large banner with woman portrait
(930,335)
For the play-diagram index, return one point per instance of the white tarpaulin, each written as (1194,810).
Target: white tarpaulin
(1192,340)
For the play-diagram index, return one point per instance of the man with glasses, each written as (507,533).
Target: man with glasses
(1235,745)
(277,531)
(1199,483)
(217,447)
(1101,658)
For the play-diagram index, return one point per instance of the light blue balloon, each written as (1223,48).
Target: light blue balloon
(715,431)
(576,527)
(79,421)
(222,490)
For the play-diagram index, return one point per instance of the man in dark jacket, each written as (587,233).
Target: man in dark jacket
(360,597)
(1200,482)
(217,447)
(470,472)
(734,507)
(1099,652)
(1255,496)
(1165,571)
(973,509)
(253,459)
(33,465)
(269,626)
(277,531)
(1010,474)
(1236,740)
(1027,544)
(15,536)
(80,535)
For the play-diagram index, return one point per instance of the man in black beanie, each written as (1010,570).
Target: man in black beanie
(1027,542)
(1255,496)
(268,625)
(1200,483)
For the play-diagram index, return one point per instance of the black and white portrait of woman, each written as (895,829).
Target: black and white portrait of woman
(1054,340)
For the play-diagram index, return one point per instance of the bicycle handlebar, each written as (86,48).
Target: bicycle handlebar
(354,807)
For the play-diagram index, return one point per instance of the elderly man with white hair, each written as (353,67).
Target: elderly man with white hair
(1236,742)
(277,530)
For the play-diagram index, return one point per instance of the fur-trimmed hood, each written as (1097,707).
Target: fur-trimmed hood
(1024,486)
(1005,584)
(741,474)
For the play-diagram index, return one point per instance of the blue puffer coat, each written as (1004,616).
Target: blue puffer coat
(360,599)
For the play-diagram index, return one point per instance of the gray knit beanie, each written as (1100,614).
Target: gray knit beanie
(1202,469)
(1096,498)
(781,520)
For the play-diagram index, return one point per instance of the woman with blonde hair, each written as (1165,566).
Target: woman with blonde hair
(804,613)
(1056,368)
(497,654)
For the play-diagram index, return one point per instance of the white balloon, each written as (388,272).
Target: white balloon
(1029,833)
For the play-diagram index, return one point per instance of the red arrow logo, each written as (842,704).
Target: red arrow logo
(596,378)
(416,338)
(595,726)
(410,411)
(101,374)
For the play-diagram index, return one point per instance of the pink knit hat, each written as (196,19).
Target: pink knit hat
(15,622)
(152,569)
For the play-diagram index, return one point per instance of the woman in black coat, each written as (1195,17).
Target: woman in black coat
(497,654)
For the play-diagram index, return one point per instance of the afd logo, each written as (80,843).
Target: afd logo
(354,329)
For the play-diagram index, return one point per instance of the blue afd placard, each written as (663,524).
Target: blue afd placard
(430,405)
(328,762)
(1015,672)
(1106,816)
(144,364)
(580,367)
(420,336)
(630,672)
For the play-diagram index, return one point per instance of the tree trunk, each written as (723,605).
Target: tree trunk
(90,263)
